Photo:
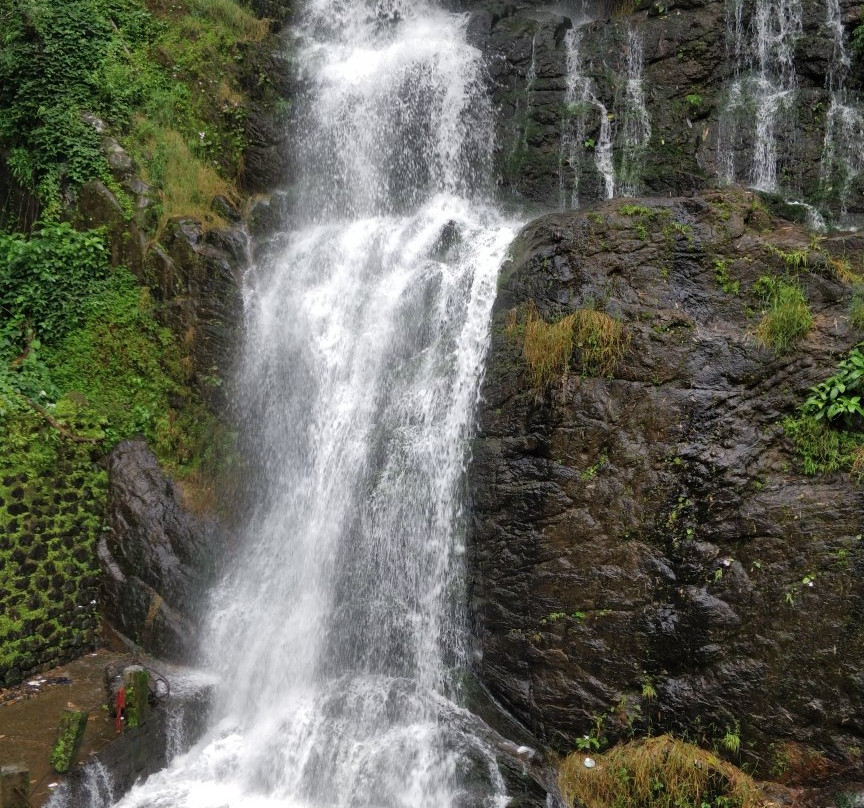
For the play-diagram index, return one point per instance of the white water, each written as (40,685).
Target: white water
(579,99)
(843,145)
(764,86)
(585,113)
(636,126)
(338,636)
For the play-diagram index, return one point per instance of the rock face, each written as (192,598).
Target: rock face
(646,552)
(155,557)
(673,84)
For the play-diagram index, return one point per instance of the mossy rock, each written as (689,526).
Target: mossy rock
(69,736)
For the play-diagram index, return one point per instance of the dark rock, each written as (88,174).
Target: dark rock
(156,556)
(662,510)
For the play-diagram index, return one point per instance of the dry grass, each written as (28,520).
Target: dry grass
(844,273)
(547,347)
(857,469)
(188,184)
(660,772)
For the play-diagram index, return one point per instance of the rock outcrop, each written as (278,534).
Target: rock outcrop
(647,553)
(155,556)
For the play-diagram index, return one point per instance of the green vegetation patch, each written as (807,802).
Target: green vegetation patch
(828,430)
(73,723)
(661,772)
(786,317)
(163,76)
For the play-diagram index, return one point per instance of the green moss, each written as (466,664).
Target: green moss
(137,682)
(69,735)
(51,513)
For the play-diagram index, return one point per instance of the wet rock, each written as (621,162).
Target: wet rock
(155,557)
(655,525)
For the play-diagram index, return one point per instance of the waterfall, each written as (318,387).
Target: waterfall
(579,100)
(843,145)
(764,86)
(339,633)
(629,138)
(636,126)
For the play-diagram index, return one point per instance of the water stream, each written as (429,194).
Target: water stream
(763,89)
(580,101)
(339,634)
(843,145)
(587,125)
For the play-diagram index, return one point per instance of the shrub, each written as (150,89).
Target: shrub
(787,317)
(660,772)
(833,399)
(45,280)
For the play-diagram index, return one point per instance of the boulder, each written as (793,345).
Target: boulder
(156,556)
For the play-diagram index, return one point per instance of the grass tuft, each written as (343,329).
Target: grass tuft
(787,316)
(547,347)
(660,772)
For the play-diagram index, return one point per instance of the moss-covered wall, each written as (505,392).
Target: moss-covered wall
(52,501)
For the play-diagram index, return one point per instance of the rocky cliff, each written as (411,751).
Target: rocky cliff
(603,99)
(648,553)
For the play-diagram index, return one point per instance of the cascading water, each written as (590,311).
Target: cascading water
(582,107)
(763,88)
(843,145)
(636,126)
(579,101)
(339,633)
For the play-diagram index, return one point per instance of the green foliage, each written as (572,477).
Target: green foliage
(44,283)
(793,260)
(69,735)
(117,60)
(694,100)
(635,210)
(822,448)
(787,315)
(833,398)
(724,280)
(827,431)
(731,741)
(128,369)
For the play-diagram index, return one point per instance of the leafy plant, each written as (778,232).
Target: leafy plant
(724,280)
(833,398)
(44,283)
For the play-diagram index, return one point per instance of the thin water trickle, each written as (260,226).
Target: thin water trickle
(339,632)
(843,145)
(580,102)
(636,126)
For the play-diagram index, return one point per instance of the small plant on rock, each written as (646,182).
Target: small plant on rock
(834,398)
(661,772)
(787,315)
